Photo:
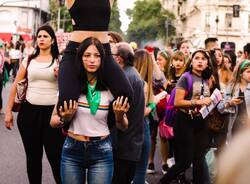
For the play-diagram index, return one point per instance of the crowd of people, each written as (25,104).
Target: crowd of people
(97,110)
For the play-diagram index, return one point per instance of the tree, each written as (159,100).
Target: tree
(115,23)
(65,23)
(65,20)
(149,21)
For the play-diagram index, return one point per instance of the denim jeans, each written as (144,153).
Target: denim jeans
(94,158)
(141,165)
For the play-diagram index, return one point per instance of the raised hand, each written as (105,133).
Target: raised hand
(68,112)
(120,106)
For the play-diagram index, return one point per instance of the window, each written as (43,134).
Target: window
(5,17)
(207,20)
(249,23)
(228,20)
(24,20)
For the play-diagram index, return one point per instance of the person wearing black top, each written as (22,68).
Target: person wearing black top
(89,18)
(128,144)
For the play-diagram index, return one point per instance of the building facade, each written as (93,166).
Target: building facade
(22,17)
(196,20)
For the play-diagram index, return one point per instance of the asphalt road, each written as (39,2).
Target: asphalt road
(12,156)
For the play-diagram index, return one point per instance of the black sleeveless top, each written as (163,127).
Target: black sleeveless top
(90,15)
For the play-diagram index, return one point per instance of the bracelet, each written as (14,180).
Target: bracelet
(151,105)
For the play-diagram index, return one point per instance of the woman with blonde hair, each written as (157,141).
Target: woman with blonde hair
(160,70)
(144,64)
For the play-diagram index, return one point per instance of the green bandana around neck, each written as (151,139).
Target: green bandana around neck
(93,98)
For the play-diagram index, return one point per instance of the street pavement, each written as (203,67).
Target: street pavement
(12,156)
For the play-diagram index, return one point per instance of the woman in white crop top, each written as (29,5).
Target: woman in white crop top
(90,19)
(88,144)
(34,116)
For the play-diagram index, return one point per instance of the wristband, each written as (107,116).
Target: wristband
(151,105)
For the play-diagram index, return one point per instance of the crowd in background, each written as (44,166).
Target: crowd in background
(186,144)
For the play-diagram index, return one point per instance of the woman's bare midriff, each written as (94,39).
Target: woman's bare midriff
(79,36)
(82,137)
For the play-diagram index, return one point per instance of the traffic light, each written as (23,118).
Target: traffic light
(236,10)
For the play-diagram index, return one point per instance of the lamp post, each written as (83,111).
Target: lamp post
(217,22)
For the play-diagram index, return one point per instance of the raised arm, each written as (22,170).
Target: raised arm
(120,108)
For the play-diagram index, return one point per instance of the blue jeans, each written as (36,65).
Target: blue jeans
(94,158)
(141,165)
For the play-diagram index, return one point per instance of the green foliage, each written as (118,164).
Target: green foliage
(65,20)
(115,23)
(148,21)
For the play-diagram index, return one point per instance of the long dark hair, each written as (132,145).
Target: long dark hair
(82,73)
(54,47)
(207,73)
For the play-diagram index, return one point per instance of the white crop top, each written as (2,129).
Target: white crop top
(90,125)
(42,83)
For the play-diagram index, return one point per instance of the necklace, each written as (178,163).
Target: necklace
(93,98)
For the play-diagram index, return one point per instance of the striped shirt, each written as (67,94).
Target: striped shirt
(90,125)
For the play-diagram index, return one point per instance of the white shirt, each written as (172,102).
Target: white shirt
(42,83)
(90,125)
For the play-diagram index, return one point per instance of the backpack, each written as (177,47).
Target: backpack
(171,110)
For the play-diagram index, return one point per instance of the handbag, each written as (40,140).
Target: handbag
(215,121)
(21,90)
(165,131)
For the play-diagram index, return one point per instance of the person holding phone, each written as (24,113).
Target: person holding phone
(237,99)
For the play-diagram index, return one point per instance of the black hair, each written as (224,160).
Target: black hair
(246,48)
(178,46)
(54,46)
(207,73)
(81,72)
(210,39)
(156,51)
(233,57)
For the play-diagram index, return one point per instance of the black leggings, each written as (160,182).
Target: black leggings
(191,143)
(36,132)
(69,85)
